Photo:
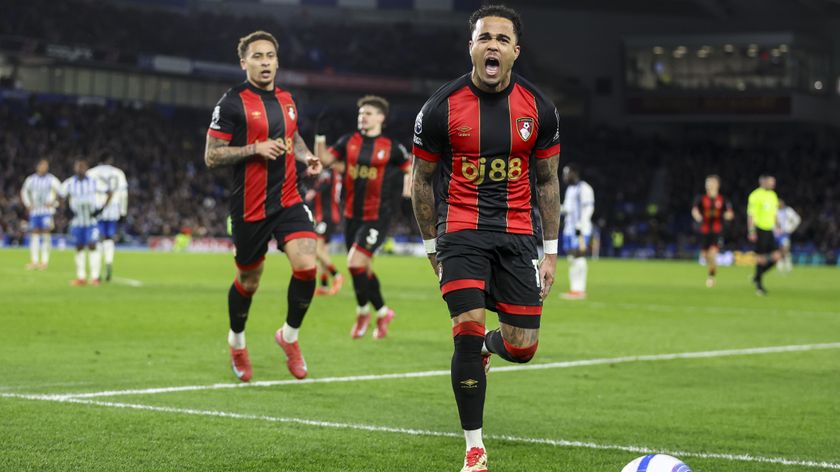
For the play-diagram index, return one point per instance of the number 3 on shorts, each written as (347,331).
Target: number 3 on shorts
(372,235)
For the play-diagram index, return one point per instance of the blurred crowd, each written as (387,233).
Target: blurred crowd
(644,185)
(159,152)
(305,44)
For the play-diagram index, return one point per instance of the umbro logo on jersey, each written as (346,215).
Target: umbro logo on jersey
(464,131)
(256,115)
(525,126)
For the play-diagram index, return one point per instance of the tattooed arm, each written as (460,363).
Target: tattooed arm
(219,153)
(423,200)
(548,202)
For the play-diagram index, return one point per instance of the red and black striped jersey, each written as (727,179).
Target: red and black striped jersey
(712,209)
(486,144)
(327,197)
(373,179)
(245,115)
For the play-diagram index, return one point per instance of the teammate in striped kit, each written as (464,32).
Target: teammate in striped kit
(710,212)
(111,181)
(486,146)
(80,193)
(39,196)
(325,199)
(578,206)
(376,175)
(254,132)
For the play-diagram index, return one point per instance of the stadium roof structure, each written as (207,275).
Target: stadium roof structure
(720,9)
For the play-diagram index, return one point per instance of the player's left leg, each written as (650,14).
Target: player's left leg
(34,249)
(323,260)
(358,263)
(93,254)
(575,248)
(711,264)
(107,231)
(465,264)
(767,255)
(784,263)
(78,235)
(515,289)
(301,253)
(36,226)
(368,238)
(46,244)
(294,231)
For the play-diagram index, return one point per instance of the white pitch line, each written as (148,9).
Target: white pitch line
(706,309)
(444,373)
(129,282)
(429,433)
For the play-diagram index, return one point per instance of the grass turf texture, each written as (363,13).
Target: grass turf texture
(171,331)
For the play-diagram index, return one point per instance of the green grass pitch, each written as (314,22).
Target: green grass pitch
(57,341)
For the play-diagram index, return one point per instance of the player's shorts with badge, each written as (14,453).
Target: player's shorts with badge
(708,240)
(325,230)
(41,222)
(765,242)
(250,238)
(84,235)
(107,229)
(366,236)
(492,270)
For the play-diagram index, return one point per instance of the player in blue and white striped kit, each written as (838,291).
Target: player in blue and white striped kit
(39,196)
(111,181)
(80,192)
(578,206)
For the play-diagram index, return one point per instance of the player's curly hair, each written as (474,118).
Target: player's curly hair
(245,41)
(500,11)
(375,101)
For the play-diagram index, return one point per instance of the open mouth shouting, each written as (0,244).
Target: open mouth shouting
(492,66)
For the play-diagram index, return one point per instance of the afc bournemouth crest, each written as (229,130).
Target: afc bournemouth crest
(525,126)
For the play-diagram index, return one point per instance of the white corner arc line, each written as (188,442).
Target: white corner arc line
(429,433)
(442,373)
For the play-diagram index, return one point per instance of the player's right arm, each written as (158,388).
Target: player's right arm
(695,210)
(423,201)
(218,152)
(430,137)
(24,194)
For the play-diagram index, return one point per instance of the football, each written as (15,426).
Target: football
(656,463)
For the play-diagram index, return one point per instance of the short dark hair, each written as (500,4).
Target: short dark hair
(713,177)
(501,11)
(573,168)
(246,41)
(375,101)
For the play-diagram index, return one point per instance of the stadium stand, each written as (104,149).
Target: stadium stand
(161,148)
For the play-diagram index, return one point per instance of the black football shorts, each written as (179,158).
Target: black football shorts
(250,238)
(365,236)
(492,270)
